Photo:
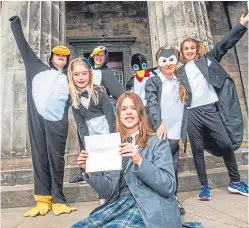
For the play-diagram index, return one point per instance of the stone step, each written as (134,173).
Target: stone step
(25,176)
(22,195)
(20,163)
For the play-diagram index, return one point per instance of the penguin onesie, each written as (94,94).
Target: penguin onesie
(137,82)
(47,103)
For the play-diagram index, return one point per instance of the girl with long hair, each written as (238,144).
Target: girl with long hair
(91,106)
(214,115)
(166,97)
(142,193)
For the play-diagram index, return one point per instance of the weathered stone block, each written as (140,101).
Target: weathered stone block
(24,177)
(19,132)
(6,128)
(8,91)
(55,22)
(46,17)
(8,178)
(34,24)
(20,96)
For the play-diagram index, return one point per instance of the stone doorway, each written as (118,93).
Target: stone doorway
(119,50)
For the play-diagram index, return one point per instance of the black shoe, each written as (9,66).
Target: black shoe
(182,210)
(77,179)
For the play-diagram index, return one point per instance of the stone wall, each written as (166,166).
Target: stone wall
(112,19)
(223,15)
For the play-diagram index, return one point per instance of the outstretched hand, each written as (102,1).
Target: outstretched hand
(244,19)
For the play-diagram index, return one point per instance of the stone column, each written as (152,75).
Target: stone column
(171,22)
(44,27)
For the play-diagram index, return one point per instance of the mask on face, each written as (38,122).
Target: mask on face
(167,56)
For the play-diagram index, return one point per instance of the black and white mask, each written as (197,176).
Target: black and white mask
(167,57)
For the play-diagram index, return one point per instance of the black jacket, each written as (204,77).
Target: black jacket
(228,105)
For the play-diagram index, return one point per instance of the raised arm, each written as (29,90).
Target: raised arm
(112,84)
(31,61)
(153,105)
(230,39)
(158,174)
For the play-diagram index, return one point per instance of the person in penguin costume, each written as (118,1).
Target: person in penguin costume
(102,74)
(47,103)
(137,82)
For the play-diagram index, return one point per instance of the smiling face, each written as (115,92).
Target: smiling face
(129,115)
(59,61)
(189,50)
(167,62)
(80,77)
(99,59)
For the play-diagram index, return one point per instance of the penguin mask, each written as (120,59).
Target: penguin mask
(167,57)
(139,64)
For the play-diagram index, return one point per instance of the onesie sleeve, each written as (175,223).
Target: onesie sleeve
(33,64)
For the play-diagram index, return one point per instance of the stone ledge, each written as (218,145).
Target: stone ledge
(25,176)
(22,195)
(24,162)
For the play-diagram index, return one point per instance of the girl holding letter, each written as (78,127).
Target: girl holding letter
(142,193)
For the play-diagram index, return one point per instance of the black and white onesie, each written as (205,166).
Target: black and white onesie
(47,103)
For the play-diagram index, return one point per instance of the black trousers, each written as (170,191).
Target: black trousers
(174,146)
(204,121)
(48,142)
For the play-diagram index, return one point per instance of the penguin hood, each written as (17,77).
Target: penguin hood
(96,51)
(138,62)
(60,50)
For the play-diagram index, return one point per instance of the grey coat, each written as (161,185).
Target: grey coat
(228,105)
(152,185)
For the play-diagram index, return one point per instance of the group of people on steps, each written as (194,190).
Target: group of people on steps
(157,108)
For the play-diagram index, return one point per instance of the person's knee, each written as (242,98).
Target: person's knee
(226,146)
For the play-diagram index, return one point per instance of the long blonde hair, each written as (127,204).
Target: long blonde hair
(75,96)
(144,129)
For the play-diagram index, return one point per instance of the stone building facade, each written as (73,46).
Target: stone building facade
(125,28)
